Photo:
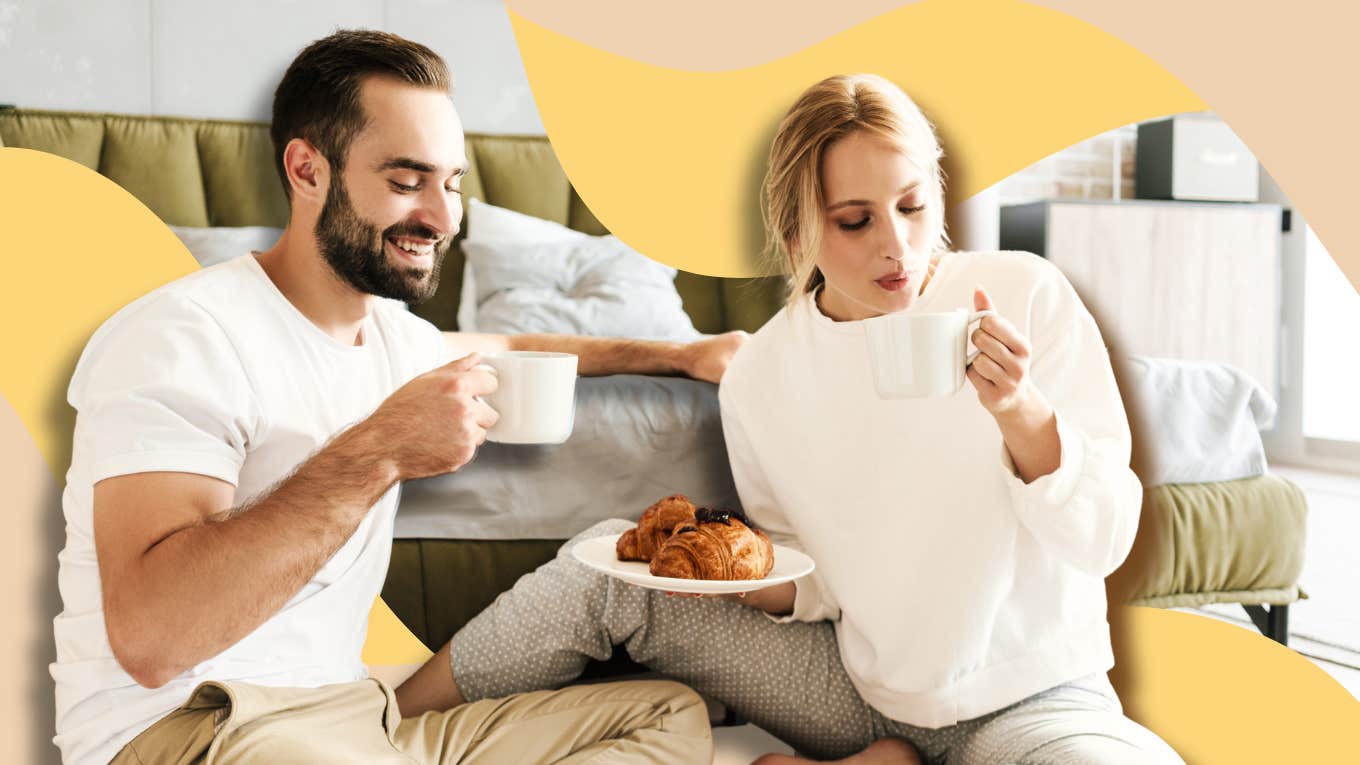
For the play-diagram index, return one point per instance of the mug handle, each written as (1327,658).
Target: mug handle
(972,317)
(489,370)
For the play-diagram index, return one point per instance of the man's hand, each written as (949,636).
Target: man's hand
(434,423)
(707,359)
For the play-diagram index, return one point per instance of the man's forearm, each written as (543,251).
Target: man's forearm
(203,588)
(610,356)
(703,359)
(596,355)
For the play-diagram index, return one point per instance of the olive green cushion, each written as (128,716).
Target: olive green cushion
(157,160)
(435,586)
(76,137)
(239,181)
(1227,542)
(221,173)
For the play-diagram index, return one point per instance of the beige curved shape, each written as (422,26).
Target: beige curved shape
(701,35)
(28,567)
(1285,82)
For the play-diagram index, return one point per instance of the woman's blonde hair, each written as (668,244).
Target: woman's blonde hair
(792,192)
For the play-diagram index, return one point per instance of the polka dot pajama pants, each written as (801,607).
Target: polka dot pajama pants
(786,678)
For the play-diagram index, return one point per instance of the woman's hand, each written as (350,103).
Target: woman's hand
(776,600)
(1000,374)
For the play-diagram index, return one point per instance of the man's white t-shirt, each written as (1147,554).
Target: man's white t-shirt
(219,374)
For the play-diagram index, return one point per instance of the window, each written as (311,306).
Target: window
(1331,350)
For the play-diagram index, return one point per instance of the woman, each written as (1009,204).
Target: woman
(987,519)
(957,613)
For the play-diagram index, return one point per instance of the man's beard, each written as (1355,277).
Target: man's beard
(356,251)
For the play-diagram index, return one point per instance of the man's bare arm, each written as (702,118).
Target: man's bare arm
(185,575)
(704,359)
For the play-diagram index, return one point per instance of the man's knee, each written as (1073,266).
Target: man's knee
(684,709)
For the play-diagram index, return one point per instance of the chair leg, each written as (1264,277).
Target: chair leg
(1272,621)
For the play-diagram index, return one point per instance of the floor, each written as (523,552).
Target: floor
(1326,626)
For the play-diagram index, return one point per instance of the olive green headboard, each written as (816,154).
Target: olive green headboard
(194,172)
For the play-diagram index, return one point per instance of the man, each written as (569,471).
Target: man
(240,437)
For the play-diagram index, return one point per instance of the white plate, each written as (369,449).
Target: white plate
(599,553)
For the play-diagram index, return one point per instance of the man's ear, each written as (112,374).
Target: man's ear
(307,169)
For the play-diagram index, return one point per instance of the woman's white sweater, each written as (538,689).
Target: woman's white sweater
(956,588)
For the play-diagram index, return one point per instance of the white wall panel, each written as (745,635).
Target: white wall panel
(220,59)
(491,90)
(210,58)
(65,54)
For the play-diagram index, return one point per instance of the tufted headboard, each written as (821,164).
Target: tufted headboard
(196,172)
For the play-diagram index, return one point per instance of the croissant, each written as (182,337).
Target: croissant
(657,523)
(718,544)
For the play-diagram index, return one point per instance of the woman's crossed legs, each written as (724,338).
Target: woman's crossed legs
(786,678)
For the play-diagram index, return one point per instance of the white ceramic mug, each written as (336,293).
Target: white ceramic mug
(536,397)
(921,354)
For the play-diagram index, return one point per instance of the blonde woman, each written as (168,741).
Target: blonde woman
(957,613)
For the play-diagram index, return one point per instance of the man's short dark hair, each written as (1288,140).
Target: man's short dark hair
(318,98)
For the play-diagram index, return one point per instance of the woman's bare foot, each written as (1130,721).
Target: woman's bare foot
(885,751)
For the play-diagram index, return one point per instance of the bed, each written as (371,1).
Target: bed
(1234,541)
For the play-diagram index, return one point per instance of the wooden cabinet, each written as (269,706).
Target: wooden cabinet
(1180,280)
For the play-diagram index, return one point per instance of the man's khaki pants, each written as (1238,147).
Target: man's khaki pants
(227,722)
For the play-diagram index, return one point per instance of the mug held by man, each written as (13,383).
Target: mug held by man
(536,396)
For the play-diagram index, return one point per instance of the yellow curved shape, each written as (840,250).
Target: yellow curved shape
(671,160)
(390,641)
(1219,693)
(78,248)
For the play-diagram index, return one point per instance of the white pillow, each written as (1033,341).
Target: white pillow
(527,275)
(211,246)
(497,226)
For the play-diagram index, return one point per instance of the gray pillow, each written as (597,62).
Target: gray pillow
(585,285)
(636,439)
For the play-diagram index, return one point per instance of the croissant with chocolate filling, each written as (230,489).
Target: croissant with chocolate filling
(657,523)
(718,544)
